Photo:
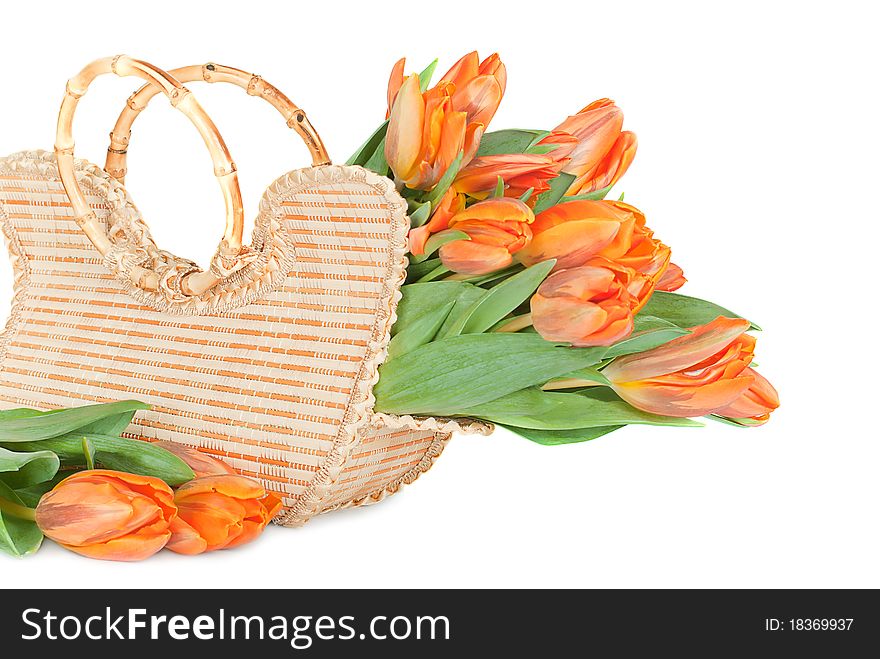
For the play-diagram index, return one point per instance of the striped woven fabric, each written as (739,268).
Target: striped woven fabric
(278,386)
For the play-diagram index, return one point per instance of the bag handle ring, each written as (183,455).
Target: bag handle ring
(194,282)
(253,84)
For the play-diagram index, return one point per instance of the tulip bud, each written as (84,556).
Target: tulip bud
(604,152)
(704,372)
(498,228)
(201,463)
(220,512)
(584,306)
(479,86)
(108,515)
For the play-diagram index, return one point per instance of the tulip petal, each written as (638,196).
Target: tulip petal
(403,141)
(239,487)
(464,69)
(679,354)
(200,462)
(683,401)
(671,279)
(756,403)
(472,258)
(185,539)
(395,82)
(570,243)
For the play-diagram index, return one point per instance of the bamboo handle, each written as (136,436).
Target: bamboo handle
(253,84)
(181,98)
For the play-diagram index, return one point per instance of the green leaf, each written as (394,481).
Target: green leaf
(419,299)
(583,377)
(525,196)
(18,537)
(426,75)
(547,410)
(437,241)
(499,188)
(685,311)
(61,422)
(452,375)
(416,271)
(446,181)
(501,300)
(595,196)
(436,273)
(21,413)
(120,454)
(113,425)
(88,450)
(22,469)
(557,437)
(376,162)
(368,148)
(420,215)
(419,332)
(542,149)
(509,141)
(558,187)
(648,332)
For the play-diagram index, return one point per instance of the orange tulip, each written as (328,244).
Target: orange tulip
(519,171)
(585,306)
(108,515)
(672,279)
(574,232)
(498,228)
(479,86)
(604,152)
(220,512)
(704,372)
(754,406)
(427,131)
(449,205)
(425,134)
(201,463)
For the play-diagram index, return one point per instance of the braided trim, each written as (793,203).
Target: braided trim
(264,270)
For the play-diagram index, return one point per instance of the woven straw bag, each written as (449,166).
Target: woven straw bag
(266,360)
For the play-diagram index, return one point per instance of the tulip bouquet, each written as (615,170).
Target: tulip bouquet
(531,300)
(143,498)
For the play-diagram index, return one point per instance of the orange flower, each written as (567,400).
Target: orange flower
(220,512)
(585,306)
(201,463)
(425,134)
(704,372)
(427,131)
(574,232)
(449,205)
(497,228)
(754,406)
(519,171)
(672,279)
(603,153)
(479,86)
(108,515)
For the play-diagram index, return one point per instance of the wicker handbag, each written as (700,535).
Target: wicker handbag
(268,358)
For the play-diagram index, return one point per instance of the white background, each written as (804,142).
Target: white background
(757,163)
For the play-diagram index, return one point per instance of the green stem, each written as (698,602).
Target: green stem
(17,510)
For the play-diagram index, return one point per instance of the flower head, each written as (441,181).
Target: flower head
(108,514)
